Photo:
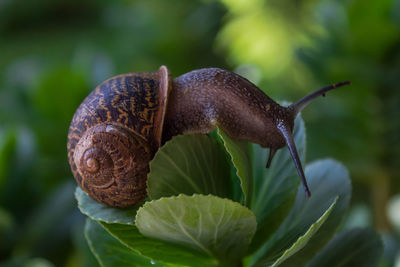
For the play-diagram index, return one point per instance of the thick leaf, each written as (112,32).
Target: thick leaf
(327,180)
(82,254)
(109,251)
(275,188)
(303,240)
(100,212)
(354,247)
(241,158)
(158,250)
(217,227)
(189,164)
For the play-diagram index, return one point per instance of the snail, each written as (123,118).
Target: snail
(119,127)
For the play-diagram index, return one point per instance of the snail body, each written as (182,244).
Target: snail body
(119,127)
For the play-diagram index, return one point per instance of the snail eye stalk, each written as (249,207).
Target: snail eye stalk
(303,102)
(287,135)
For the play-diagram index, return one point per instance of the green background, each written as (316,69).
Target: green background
(53,53)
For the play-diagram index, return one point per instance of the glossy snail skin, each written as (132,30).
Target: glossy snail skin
(119,127)
(206,98)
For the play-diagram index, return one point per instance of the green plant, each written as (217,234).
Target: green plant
(212,202)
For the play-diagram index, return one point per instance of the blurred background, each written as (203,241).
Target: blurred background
(53,53)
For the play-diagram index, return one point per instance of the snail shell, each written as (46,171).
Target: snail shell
(115,133)
(118,128)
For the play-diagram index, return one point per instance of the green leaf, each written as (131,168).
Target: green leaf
(100,212)
(327,180)
(158,250)
(303,240)
(217,227)
(275,188)
(82,254)
(241,158)
(189,164)
(109,251)
(354,247)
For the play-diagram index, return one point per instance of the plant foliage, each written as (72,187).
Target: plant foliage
(193,219)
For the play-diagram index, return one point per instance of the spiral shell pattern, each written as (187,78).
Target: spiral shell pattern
(113,163)
(115,133)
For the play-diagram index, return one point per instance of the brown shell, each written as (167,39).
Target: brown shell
(115,133)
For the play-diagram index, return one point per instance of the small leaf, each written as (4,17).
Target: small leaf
(189,164)
(100,212)
(327,180)
(303,240)
(275,188)
(241,158)
(156,249)
(217,227)
(109,251)
(354,247)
